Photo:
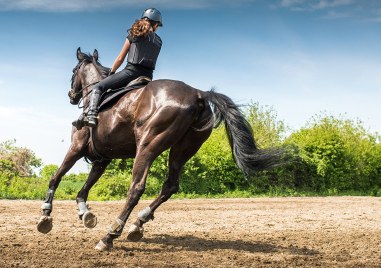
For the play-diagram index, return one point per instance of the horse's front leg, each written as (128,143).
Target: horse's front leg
(88,218)
(45,224)
(75,152)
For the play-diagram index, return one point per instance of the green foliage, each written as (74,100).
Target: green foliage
(336,155)
(111,188)
(48,171)
(68,189)
(22,188)
(119,165)
(7,168)
(212,170)
(23,160)
(268,130)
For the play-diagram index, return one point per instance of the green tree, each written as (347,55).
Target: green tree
(23,160)
(268,130)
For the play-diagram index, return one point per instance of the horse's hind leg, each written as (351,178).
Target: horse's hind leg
(142,164)
(150,146)
(88,218)
(74,153)
(178,156)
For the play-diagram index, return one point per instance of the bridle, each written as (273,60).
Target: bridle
(77,97)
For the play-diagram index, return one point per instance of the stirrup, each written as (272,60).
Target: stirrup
(92,121)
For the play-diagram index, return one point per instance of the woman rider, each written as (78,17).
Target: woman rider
(143,47)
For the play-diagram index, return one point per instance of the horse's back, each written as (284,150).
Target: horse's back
(174,97)
(172,90)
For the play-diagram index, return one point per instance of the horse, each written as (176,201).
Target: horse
(143,123)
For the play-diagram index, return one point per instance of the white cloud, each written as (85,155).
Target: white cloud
(313,4)
(86,5)
(289,3)
(332,14)
(324,4)
(336,9)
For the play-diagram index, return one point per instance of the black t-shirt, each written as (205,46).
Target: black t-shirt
(130,38)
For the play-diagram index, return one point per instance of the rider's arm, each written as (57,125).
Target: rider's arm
(122,55)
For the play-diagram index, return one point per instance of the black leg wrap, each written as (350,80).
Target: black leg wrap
(49,196)
(47,206)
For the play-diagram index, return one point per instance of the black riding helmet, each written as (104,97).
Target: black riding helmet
(153,14)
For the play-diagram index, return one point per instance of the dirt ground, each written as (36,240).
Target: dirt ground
(256,232)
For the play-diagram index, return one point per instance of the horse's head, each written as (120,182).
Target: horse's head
(79,80)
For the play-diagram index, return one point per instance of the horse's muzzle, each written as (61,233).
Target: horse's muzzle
(74,97)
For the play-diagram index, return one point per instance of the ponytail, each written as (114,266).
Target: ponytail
(140,28)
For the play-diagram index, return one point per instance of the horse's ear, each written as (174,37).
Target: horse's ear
(79,54)
(95,55)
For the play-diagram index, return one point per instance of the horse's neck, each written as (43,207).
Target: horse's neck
(91,76)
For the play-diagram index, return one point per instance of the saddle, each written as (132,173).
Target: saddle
(112,95)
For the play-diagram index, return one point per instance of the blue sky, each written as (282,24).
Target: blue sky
(301,57)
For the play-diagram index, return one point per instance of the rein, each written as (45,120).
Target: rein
(88,93)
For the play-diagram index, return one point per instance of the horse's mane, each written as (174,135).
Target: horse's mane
(89,58)
(104,71)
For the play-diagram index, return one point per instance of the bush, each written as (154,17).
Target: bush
(24,188)
(336,155)
(48,171)
(111,188)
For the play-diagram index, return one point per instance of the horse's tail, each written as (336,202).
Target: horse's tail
(241,139)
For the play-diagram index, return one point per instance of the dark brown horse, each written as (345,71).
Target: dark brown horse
(165,114)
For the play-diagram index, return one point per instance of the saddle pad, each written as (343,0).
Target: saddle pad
(111,96)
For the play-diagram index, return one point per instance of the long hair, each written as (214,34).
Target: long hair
(141,28)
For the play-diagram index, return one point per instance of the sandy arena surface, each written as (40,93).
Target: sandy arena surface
(256,232)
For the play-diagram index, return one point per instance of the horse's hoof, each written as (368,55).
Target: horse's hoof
(45,224)
(89,219)
(101,246)
(135,233)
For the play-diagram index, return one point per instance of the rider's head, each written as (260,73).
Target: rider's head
(149,22)
(154,16)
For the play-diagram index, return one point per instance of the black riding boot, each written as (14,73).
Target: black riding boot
(92,114)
